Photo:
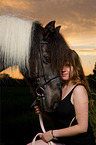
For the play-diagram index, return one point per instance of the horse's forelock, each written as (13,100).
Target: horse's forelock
(58,49)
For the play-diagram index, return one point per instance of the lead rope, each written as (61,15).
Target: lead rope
(40,116)
(43,129)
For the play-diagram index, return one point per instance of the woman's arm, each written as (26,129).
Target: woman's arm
(81,109)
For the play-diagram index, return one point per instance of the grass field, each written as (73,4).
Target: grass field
(19,124)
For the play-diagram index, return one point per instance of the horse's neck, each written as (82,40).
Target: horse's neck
(15,36)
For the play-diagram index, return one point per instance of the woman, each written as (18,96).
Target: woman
(71,116)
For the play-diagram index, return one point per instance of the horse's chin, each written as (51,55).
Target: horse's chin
(51,108)
(55,105)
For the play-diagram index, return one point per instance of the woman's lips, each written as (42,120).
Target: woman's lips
(64,74)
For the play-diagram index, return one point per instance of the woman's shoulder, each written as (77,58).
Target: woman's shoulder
(80,90)
(80,94)
(79,87)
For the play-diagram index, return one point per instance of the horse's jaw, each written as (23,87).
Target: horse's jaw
(52,96)
(49,108)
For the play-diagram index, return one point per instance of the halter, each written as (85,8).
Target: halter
(38,75)
(40,92)
(40,88)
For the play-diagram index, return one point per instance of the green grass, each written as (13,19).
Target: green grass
(92,113)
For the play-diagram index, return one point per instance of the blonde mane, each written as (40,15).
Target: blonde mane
(15,37)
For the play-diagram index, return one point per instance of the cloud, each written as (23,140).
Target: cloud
(91,52)
(13,72)
(22,4)
(77,18)
(62,10)
(15,7)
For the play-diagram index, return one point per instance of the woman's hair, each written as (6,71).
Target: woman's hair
(78,73)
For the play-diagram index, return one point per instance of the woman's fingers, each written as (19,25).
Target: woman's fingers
(37,110)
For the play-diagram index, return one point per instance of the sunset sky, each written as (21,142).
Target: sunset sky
(76,17)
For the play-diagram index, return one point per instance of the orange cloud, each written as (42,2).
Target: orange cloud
(86,52)
(15,4)
(13,72)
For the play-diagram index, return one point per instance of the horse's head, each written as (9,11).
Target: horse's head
(49,87)
(50,80)
(39,52)
(49,45)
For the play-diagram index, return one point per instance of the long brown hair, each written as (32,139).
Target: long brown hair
(78,73)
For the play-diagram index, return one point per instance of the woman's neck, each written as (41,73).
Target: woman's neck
(68,84)
(66,88)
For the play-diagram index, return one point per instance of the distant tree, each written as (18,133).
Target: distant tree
(4,75)
(92,80)
(94,70)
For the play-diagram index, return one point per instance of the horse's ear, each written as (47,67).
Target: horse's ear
(58,28)
(49,28)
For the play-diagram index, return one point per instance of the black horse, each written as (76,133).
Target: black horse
(38,51)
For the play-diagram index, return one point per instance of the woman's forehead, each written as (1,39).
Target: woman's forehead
(67,62)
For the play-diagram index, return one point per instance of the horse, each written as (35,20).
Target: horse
(38,51)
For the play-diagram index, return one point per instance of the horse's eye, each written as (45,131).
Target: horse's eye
(46,59)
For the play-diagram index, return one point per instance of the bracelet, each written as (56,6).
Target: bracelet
(52,133)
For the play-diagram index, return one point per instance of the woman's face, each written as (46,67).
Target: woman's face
(67,72)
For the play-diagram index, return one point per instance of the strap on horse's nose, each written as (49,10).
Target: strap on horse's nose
(40,94)
(40,91)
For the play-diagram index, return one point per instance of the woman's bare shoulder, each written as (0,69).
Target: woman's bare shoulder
(80,92)
(80,88)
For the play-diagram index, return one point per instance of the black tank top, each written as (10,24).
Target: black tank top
(63,117)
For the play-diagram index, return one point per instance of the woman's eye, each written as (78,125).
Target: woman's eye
(68,65)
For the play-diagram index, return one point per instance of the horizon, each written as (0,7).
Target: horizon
(88,59)
(86,55)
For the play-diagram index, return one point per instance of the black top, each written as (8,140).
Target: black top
(64,115)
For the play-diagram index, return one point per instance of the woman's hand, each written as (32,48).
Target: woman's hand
(47,136)
(37,110)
